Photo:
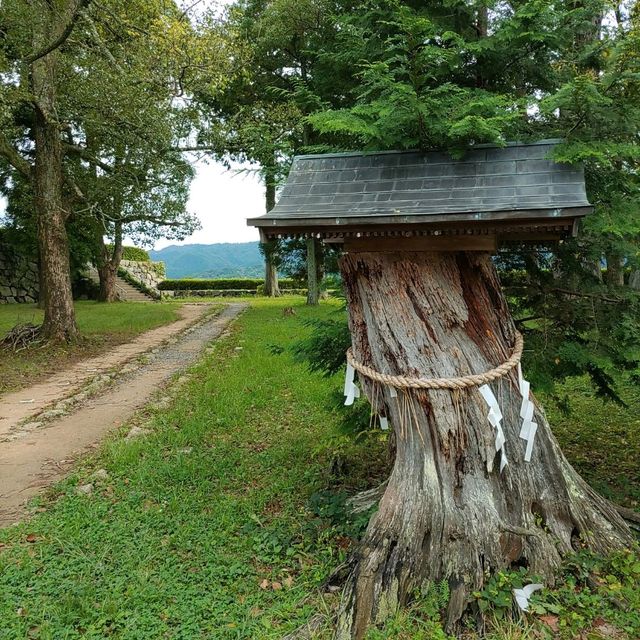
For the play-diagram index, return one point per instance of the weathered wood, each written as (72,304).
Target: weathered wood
(425,243)
(447,512)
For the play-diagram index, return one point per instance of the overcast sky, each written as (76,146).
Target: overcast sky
(223,200)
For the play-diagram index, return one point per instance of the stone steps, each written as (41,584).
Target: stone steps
(125,291)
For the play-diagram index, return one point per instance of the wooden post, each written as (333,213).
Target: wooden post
(312,273)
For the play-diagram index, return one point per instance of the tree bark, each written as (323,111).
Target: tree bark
(313,293)
(447,512)
(59,314)
(634,279)
(271,288)
(614,274)
(107,265)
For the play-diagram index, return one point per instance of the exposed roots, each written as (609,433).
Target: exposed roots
(22,336)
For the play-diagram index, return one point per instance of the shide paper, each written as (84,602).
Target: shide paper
(351,390)
(495,418)
(529,427)
(522,595)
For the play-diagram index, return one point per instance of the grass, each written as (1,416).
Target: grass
(101,327)
(224,522)
(602,439)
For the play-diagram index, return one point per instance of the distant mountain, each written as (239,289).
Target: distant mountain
(224,260)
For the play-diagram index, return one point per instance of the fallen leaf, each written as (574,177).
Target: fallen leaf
(288,582)
(550,621)
(264,584)
(276,586)
(32,537)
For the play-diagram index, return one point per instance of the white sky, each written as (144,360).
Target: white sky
(220,198)
(223,200)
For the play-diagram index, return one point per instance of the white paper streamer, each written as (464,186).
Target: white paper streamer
(495,418)
(527,408)
(523,595)
(392,392)
(351,390)
(384,423)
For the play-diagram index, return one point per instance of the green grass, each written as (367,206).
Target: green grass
(224,522)
(602,439)
(101,327)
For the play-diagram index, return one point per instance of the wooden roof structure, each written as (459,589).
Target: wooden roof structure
(514,192)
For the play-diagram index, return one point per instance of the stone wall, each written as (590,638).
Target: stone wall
(18,278)
(148,274)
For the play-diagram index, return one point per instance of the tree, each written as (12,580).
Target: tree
(106,112)
(432,77)
(259,118)
(31,54)
(449,513)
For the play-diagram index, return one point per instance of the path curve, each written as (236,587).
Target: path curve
(34,459)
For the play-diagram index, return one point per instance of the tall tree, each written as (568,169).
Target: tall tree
(106,112)
(32,59)
(446,76)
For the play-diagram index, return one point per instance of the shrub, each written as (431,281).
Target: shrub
(134,254)
(223,284)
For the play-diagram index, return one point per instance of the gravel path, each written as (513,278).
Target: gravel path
(33,457)
(32,402)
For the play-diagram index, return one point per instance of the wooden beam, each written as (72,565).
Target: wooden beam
(425,243)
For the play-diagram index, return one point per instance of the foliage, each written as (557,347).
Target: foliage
(434,77)
(220,503)
(135,254)
(325,347)
(202,284)
(227,520)
(591,589)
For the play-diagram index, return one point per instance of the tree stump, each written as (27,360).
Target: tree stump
(448,513)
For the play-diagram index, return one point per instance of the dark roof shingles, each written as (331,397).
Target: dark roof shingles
(512,178)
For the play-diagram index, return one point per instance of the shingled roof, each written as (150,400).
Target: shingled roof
(353,190)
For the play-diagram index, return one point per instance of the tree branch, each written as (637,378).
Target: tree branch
(15,159)
(62,38)
(86,155)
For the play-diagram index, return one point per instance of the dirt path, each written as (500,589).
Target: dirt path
(32,459)
(28,403)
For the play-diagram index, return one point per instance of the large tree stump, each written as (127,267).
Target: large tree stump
(448,513)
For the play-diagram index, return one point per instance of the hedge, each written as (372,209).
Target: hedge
(223,284)
(134,254)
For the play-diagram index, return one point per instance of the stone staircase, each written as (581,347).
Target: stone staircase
(129,293)
(125,291)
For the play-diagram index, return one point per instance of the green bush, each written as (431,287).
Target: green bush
(133,253)
(223,284)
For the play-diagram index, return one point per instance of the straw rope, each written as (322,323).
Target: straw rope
(462,382)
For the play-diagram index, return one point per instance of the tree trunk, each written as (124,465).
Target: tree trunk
(614,275)
(108,264)
(313,294)
(448,513)
(271,288)
(634,279)
(59,314)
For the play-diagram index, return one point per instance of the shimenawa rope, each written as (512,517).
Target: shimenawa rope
(462,382)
